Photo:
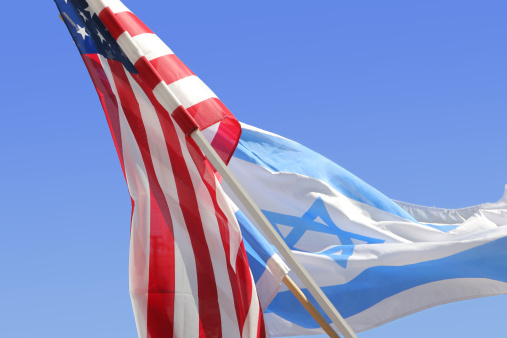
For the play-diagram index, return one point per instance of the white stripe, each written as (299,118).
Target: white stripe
(151,46)
(139,256)
(210,133)
(191,90)
(116,6)
(165,97)
(137,181)
(211,230)
(129,47)
(97,5)
(186,303)
(235,238)
(147,44)
(251,326)
(270,281)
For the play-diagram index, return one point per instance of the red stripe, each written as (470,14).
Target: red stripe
(209,310)
(184,120)
(261,326)
(160,311)
(131,23)
(171,68)
(122,22)
(107,100)
(244,284)
(113,26)
(227,138)
(208,112)
(148,73)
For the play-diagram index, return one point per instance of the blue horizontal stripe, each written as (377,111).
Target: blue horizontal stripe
(378,283)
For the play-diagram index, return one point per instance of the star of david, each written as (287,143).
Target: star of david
(308,222)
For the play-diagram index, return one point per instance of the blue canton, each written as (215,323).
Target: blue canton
(89,33)
(300,225)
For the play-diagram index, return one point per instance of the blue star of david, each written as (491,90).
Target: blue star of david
(307,222)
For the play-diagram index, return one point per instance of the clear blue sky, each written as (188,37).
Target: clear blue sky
(411,96)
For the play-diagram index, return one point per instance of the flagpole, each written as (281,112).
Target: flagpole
(274,237)
(309,307)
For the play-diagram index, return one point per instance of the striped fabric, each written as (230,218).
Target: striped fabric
(189,274)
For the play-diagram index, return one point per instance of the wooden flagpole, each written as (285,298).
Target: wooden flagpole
(309,307)
(277,241)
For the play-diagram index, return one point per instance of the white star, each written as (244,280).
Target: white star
(82,31)
(109,54)
(83,15)
(91,11)
(100,36)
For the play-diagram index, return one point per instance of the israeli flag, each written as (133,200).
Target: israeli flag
(376,259)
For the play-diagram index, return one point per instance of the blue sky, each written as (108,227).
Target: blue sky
(408,95)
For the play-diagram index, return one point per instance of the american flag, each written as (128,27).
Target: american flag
(189,274)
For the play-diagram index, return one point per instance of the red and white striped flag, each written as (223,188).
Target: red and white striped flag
(189,274)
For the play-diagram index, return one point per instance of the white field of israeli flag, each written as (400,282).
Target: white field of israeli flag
(376,259)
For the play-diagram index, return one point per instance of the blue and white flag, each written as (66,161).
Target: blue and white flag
(376,259)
